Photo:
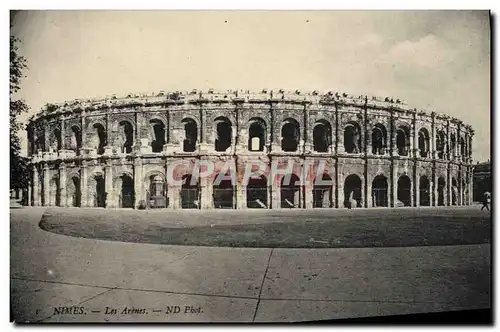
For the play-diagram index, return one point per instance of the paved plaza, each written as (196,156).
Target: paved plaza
(113,281)
(287,228)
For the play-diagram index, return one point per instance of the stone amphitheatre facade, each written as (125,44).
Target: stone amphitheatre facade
(118,152)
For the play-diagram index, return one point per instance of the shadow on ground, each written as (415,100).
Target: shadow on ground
(278,229)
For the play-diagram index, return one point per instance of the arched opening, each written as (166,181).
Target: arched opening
(379,191)
(425,191)
(322,192)
(290,135)
(190,135)
(454,191)
(224,133)
(101,137)
(379,139)
(39,142)
(440,144)
(100,192)
(290,191)
(127,139)
(453,145)
(223,192)
(190,193)
(257,135)
(157,192)
(127,192)
(469,146)
(55,191)
(463,147)
(403,141)
(76,139)
(465,192)
(77,194)
(322,136)
(423,142)
(158,128)
(352,191)
(352,138)
(257,193)
(43,199)
(56,140)
(404,190)
(441,189)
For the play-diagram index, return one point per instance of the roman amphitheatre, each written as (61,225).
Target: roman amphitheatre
(116,152)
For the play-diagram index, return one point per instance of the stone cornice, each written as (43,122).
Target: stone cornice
(197,97)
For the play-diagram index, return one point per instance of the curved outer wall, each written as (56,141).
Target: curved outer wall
(108,152)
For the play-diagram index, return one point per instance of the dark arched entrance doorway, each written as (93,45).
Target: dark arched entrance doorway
(257,193)
(190,193)
(379,191)
(322,192)
(77,194)
(404,190)
(157,193)
(127,192)
(424,187)
(223,193)
(290,191)
(56,187)
(100,192)
(352,191)
(454,191)
(441,188)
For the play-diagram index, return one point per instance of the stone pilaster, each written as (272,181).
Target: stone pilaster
(415,151)
(35,180)
(46,185)
(307,183)
(84,200)
(233,139)
(108,185)
(393,148)
(207,198)
(63,201)
(173,189)
(241,196)
(392,187)
(447,146)
(460,190)
(449,188)
(412,193)
(308,195)
(369,194)
(415,192)
(275,195)
(269,195)
(241,145)
(339,193)
(138,181)
(83,133)
(434,189)
(29,195)
(173,194)
(431,190)
(471,187)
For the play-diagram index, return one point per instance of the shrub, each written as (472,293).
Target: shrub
(141,205)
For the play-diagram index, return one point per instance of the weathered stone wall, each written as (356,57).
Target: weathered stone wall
(99,161)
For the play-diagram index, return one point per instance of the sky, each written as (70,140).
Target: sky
(434,60)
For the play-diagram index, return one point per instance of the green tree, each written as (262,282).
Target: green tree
(18,164)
